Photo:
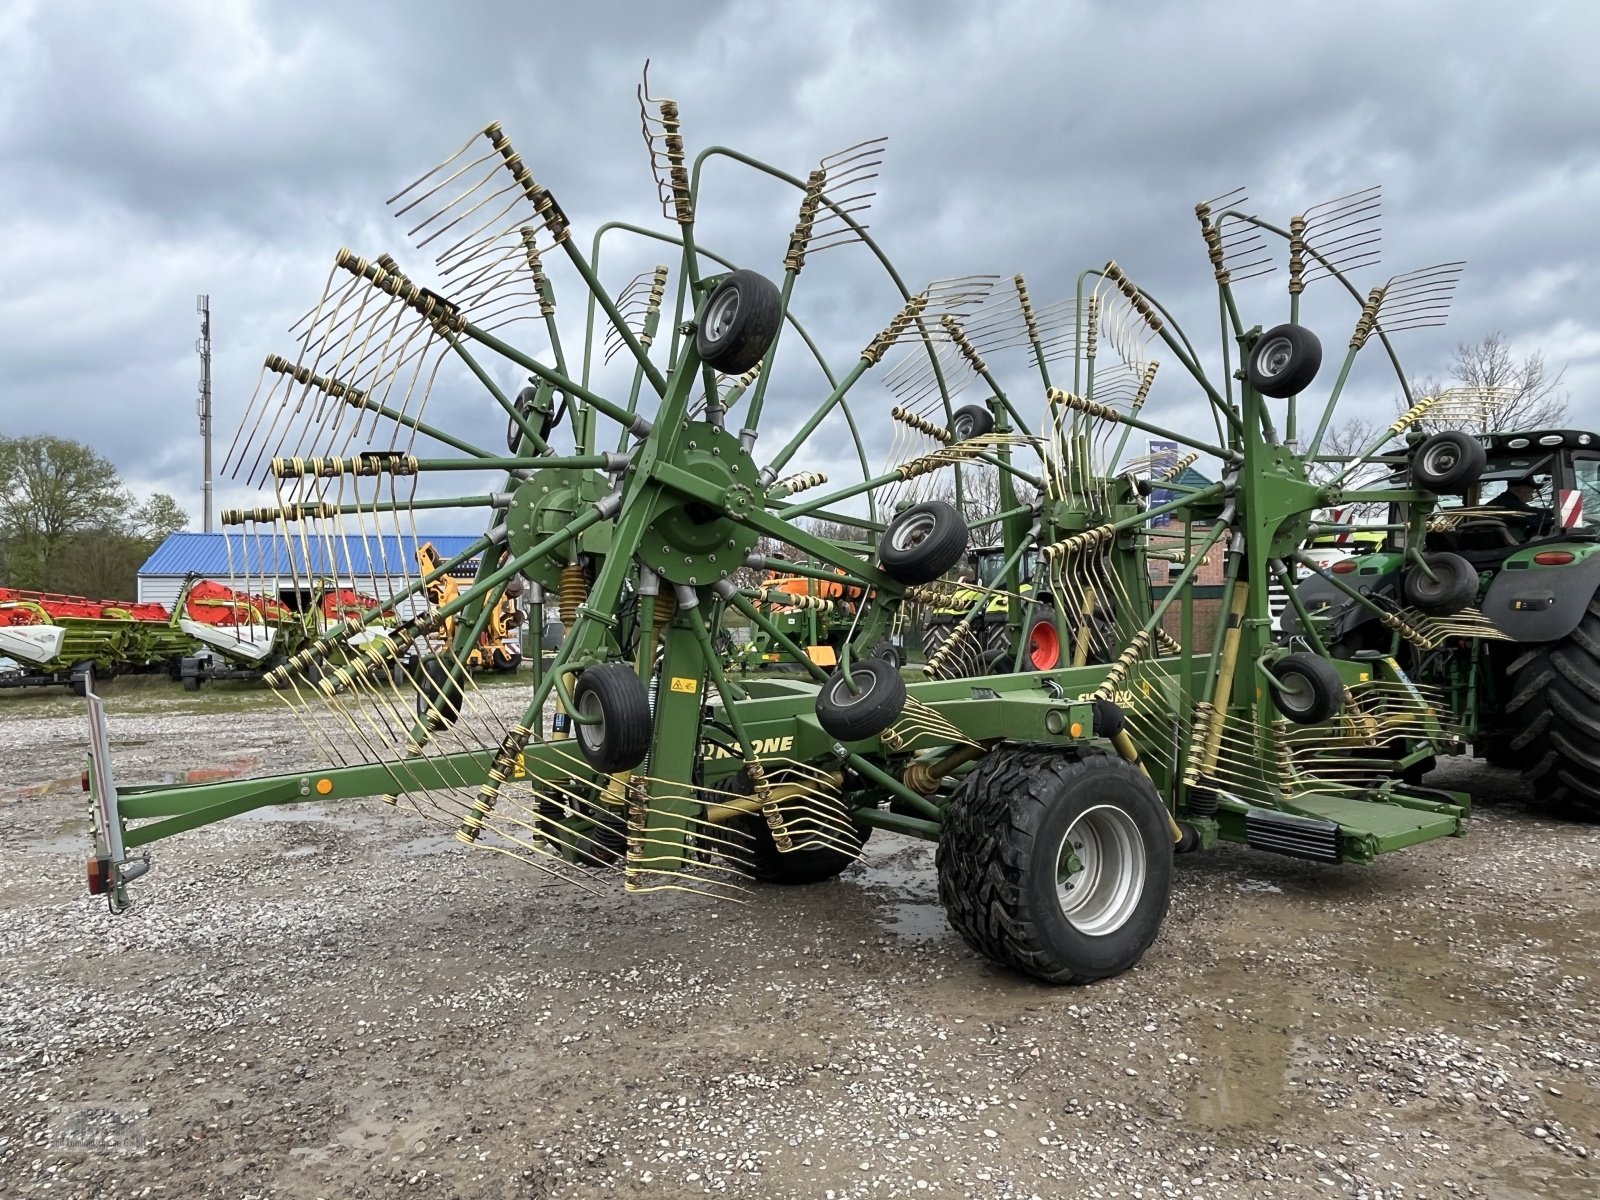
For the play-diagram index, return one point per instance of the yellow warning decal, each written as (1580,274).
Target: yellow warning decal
(681,683)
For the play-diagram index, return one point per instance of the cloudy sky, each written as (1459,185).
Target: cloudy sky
(153,151)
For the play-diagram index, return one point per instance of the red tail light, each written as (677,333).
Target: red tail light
(99,876)
(1344,566)
(83,779)
(1553,558)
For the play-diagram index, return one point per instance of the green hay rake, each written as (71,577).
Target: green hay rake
(641,471)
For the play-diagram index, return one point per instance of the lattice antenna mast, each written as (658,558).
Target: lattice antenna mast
(202,305)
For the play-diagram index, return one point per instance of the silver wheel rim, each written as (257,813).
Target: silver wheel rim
(1439,460)
(1100,871)
(720,319)
(594,736)
(1273,357)
(912,532)
(1295,693)
(843,697)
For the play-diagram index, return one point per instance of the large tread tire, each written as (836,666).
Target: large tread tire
(1554,719)
(934,636)
(997,862)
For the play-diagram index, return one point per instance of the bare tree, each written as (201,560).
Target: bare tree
(1503,391)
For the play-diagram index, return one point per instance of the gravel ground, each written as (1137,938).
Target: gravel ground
(337,1001)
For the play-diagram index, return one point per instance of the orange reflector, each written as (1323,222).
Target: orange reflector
(83,779)
(1344,566)
(1553,558)
(1077,729)
(99,876)
(324,786)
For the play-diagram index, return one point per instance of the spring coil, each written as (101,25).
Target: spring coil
(574,590)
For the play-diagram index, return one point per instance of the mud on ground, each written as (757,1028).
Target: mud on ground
(339,1001)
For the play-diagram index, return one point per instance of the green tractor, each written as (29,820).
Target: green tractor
(1505,575)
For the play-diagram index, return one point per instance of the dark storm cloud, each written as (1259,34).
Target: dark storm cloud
(155,151)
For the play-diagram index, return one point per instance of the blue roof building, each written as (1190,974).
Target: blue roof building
(275,564)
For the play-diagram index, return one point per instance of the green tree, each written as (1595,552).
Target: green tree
(69,524)
(50,490)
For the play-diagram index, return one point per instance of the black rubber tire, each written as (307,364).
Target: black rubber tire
(1497,752)
(614,693)
(889,653)
(438,696)
(1454,589)
(793,868)
(1317,692)
(923,542)
(1109,719)
(864,714)
(78,680)
(1284,361)
(1450,461)
(998,661)
(524,407)
(191,683)
(998,857)
(970,421)
(1554,718)
(935,633)
(740,319)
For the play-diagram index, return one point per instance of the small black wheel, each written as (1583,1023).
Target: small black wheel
(1109,719)
(739,322)
(804,864)
(923,542)
(438,695)
(191,683)
(1312,690)
(889,653)
(524,406)
(1284,361)
(619,737)
(970,421)
(1056,867)
(78,680)
(1454,585)
(1450,461)
(867,712)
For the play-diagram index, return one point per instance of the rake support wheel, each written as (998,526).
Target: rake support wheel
(741,317)
(619,738)
(923,542)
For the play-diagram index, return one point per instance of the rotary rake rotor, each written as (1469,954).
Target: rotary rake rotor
(656,469)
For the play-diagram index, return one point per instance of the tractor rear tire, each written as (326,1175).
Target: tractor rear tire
(935,635)
(1554,716)
(1000,859)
